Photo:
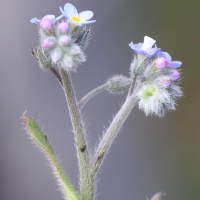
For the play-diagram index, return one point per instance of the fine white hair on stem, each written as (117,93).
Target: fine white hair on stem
(82,144)
(112,131)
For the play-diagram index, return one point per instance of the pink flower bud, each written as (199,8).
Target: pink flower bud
(162,63)
(56,55)
(47,44)
(167,83)
(46,24)
(64,40)
(63,27)
(175,75)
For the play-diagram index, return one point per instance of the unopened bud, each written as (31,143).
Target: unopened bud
(75,49)
(118,84)
(64,40)
(46,24)
(162,63)
(63,27)
(167,83)
(56,55)
(175,75)
(47,44)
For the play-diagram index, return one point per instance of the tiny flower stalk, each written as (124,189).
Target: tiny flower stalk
(42,143)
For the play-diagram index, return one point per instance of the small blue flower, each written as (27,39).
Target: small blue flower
(172,64)
(71,13)
(145,49)
(51,17)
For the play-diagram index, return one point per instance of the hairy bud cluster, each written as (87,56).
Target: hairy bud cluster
(118,84)
(159,88)
(63,44)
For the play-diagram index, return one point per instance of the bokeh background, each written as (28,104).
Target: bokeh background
(150,154)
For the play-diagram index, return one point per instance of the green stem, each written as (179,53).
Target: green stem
(111,133)
(80,137)
(91,94)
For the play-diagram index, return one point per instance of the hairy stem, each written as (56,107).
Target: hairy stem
(111,133)
(131,89)
(80,137)
(56,74)
(91,94)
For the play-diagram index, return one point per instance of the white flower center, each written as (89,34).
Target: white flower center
(148,43)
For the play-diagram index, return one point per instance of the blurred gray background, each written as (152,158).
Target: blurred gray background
(150,154)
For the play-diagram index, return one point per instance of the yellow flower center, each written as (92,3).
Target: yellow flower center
(76,19)
(156,69)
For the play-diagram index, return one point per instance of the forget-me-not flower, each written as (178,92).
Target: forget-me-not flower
(145,49)
(46,22)
(71,13)
(172,64)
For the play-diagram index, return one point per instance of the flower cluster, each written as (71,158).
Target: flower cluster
(63,42)
(158,87)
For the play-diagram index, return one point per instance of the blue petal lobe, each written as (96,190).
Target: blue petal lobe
(86,15)
(35,21)
(64,13)
(49,16)
(175,64)
(88,22)
(165,55)
(70,10)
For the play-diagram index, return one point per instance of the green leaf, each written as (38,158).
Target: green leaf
(42,142)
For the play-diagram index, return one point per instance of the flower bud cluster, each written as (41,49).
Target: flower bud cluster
(65,44)
(158,87)
(118,84)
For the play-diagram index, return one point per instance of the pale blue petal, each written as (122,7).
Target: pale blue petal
(64,13)
(56,19)
(70,10)
(35,21)
(59,17)
(175,64)
(165,55)
(168,57)
(75,23)
(88,22)
(49,16)
(86,15)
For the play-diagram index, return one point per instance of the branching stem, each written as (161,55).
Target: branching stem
(131,89)
(91,94)
(56,74)
(111,133)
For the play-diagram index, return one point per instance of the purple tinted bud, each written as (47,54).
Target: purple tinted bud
(167,83)
(47,44)
(162,63)
(175,75)
(64,40)
(46,24)
(63,27)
